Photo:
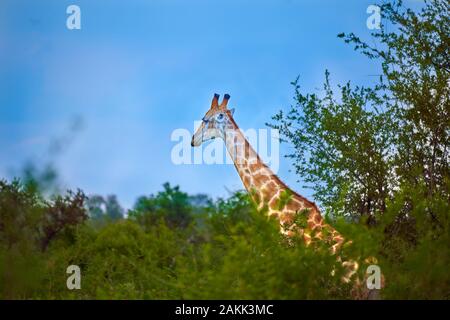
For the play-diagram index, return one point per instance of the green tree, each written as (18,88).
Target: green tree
(29,224)
(341,147)
(357,150)
(100,208)
(416,72)
(95,205)
(172,205)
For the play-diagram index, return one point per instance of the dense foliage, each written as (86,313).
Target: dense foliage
(357,149)
(380,155)
(227,249)
(169,247)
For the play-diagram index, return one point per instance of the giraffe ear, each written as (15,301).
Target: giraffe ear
(231,111)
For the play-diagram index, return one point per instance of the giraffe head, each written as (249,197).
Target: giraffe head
(215,121)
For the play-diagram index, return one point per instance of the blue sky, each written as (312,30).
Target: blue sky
(137,70)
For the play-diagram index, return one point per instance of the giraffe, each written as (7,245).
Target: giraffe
(265,188)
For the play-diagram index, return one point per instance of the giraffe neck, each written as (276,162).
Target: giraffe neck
(254,173)
(259,180)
